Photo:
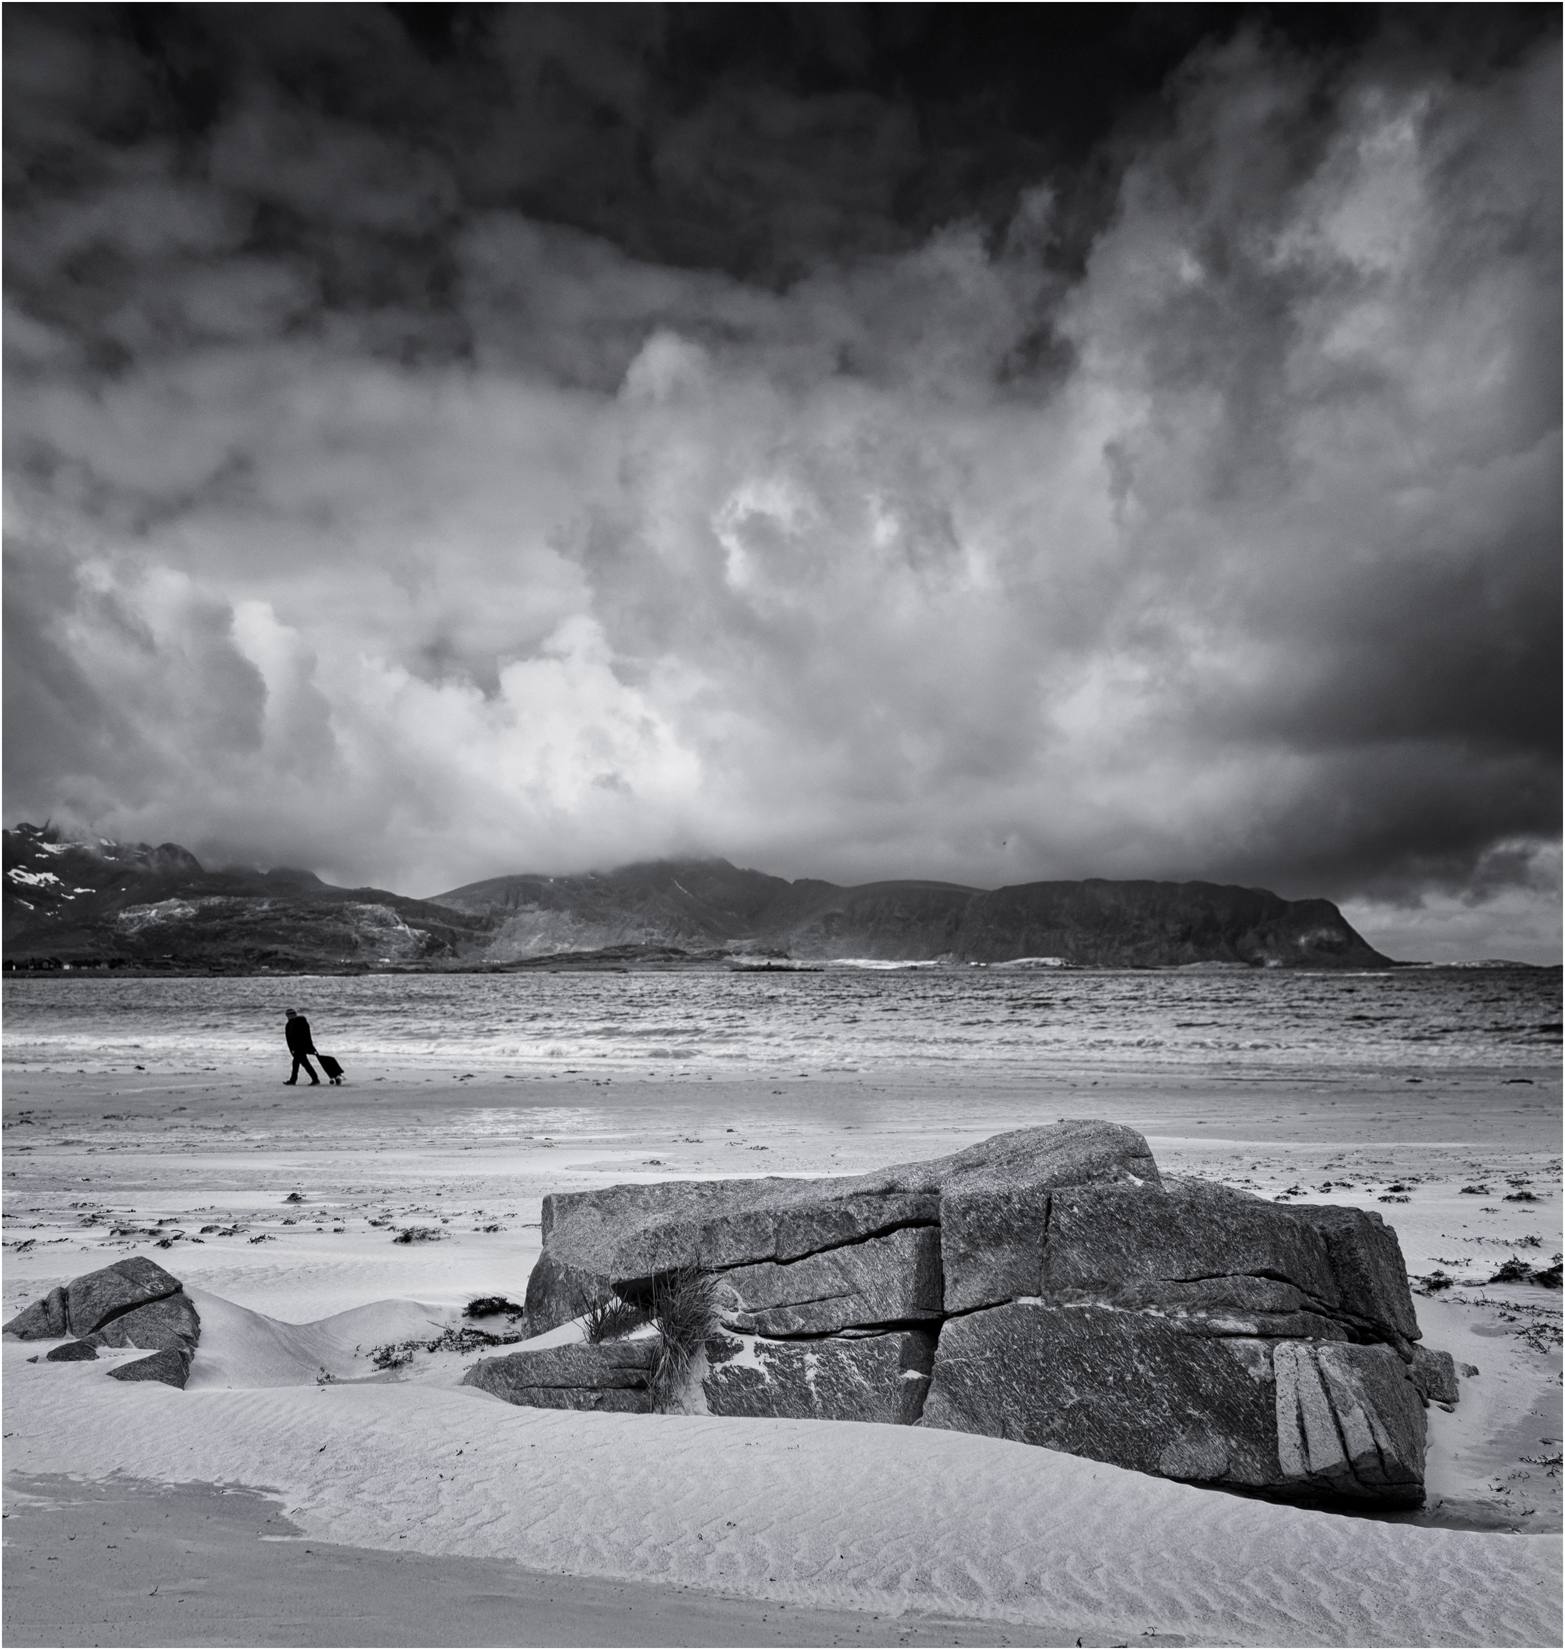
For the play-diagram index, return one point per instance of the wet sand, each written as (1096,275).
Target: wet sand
(129,1563)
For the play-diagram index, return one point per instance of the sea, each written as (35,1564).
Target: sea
(841,1018)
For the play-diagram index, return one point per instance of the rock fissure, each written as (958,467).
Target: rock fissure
(867,1236)
(1317,1303)
(856,1332)
(135,1306)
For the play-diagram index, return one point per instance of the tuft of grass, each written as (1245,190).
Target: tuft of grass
(685,1307)
(605,1317)
(612,1320)
(419,1234)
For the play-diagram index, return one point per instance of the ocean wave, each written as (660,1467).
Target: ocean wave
(867,1013)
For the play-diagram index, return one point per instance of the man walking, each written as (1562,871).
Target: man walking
(301,1045)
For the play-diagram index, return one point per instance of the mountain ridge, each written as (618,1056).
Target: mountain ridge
(113,904)
(1092,922)
(120,904)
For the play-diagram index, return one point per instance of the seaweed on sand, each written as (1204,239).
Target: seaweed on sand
(492,1306)
(397,1354)
(1536,1326)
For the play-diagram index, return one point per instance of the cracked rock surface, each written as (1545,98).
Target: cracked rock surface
(858,1378)
(624,1236)
(1046,1286)
(884,1280)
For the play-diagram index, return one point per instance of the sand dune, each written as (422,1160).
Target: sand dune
(241,1348)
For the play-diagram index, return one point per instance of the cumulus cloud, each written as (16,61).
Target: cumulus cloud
(1184,504)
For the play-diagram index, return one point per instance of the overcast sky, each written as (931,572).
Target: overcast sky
(978,443)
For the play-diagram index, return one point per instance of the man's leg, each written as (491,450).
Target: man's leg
(311,1069)
(293,1076)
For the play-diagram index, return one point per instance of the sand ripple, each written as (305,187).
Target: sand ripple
(852,1516)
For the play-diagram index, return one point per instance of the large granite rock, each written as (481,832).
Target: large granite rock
(621,1237)
(616,1375)
(851,1378)
(85,1304)
(1046,1286)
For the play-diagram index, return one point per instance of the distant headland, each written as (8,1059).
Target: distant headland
(105,904)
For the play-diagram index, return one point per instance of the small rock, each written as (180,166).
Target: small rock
(72,1352)
(616,1375)
(1434,1374)
(44,1320)
(171,1367)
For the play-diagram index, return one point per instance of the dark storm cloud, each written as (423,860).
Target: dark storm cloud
(965,441)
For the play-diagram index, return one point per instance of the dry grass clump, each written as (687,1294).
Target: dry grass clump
(685,1307)
(605,1317)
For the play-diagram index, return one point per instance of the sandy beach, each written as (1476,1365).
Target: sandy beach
(505,1525)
